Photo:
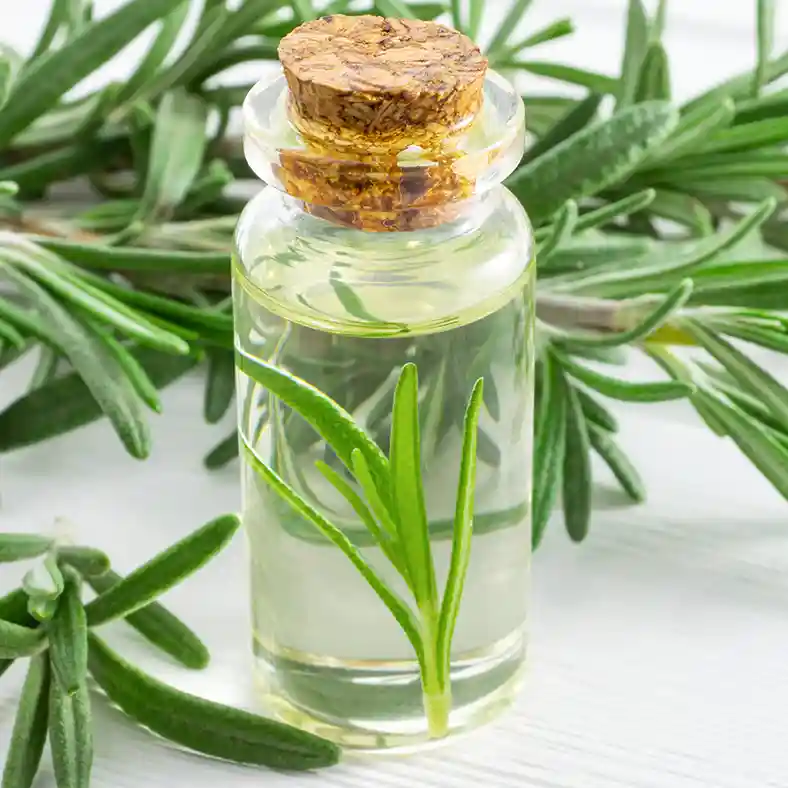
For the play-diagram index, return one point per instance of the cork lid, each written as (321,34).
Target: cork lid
(376,77)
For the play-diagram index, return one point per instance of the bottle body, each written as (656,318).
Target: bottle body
(345,309)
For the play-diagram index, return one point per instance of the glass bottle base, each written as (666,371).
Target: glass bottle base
(377,706)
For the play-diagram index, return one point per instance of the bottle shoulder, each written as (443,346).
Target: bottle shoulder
(315,272)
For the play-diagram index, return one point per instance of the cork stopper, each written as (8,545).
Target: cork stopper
(376,77)
(363,89)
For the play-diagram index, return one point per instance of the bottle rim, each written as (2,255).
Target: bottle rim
(367,180)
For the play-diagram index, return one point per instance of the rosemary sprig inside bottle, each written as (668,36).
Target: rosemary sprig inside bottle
(393,510)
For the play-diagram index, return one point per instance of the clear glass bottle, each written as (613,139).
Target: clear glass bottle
(343,294)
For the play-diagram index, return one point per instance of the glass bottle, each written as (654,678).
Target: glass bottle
(370,248)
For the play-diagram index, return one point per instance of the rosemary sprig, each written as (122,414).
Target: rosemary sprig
(393,510)
(55,704)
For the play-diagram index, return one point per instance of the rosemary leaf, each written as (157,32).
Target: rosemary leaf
(162,572)
(177,151)
(577,118)
(68,403)
(654,84)
(408,491)
(635,48)
(51,76)
(204,726)
(30,727)
(68,637)
(507,26)
(624,390)
(396,606)
(461,538)
(44,580)
(88,561)
(220,385)
(577,481)
(157,53)
(159,626)
(615,210)
(562,230)
(767,10)
(400,10)
(745,371)
(592,159)
(19,641)
(550,445)
(20,547)
(223,453)
(621,466)
(70,736)
(333,423)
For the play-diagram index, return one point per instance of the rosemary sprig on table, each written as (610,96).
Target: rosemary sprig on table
(47,622)
(122,298)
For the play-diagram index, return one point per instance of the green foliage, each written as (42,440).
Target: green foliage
(658,227)
(55,704)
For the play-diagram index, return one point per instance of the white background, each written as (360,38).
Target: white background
(660,647)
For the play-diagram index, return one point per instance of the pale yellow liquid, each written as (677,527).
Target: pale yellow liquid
(330,656)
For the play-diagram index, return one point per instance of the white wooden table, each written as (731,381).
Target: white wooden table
(659,648)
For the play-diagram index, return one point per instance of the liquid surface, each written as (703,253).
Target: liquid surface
(330,655)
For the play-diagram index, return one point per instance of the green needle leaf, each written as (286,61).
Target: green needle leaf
(68,637)
(160,627)
(18,641)
(53,75)
(397,606)
(596,413)
(55,275)
(615,210)
(573,121)
(112,258)
(206,727)
(30,727)
(99,371)
(461,537)
(622,468)
(755,442)
(767,11)
(88,561)
(382,537)
(637,41)
(749,375)
(19,547)
(670,261)
(550,445)
(223,453)
(67,403)
(596,83)
(654,82)
(220,385)
(163,571)
(675,299)
(577,469)
(44,580)
(562,230)
(624,390)
(507,27)
(179,144)
(333,423)
(591,160)
(157,53)
(70,736)
(395,9)
(408,491)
